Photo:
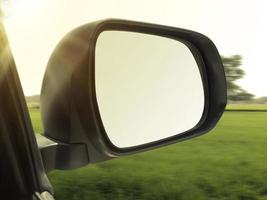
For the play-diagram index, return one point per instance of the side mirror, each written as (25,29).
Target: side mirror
(117,87)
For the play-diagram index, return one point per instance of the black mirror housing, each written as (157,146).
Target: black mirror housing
(68,99)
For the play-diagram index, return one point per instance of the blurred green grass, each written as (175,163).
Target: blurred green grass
(229,163)
(247,107)
(36,120)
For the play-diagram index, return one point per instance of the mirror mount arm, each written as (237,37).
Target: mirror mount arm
(56,155)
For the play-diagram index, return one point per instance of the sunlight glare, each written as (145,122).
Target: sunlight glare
(20,8)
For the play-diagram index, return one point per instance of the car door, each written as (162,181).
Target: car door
(22,175)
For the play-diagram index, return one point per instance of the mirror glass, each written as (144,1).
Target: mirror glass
(148,87)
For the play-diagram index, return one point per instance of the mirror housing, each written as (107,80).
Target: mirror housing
(69,106)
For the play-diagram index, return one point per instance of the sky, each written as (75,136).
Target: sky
(34,28)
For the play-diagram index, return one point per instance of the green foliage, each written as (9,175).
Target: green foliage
(36,120)
(254,107)
(33,105)
(230,163)
(233,72)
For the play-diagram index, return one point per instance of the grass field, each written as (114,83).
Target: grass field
(247,107)
(229,163)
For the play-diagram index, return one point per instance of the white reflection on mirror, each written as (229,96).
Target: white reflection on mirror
(148,87)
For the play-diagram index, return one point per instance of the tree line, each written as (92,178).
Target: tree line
(233,72)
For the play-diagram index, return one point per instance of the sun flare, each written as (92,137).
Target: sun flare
(20,8)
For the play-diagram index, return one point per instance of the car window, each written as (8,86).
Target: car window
(228,163)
